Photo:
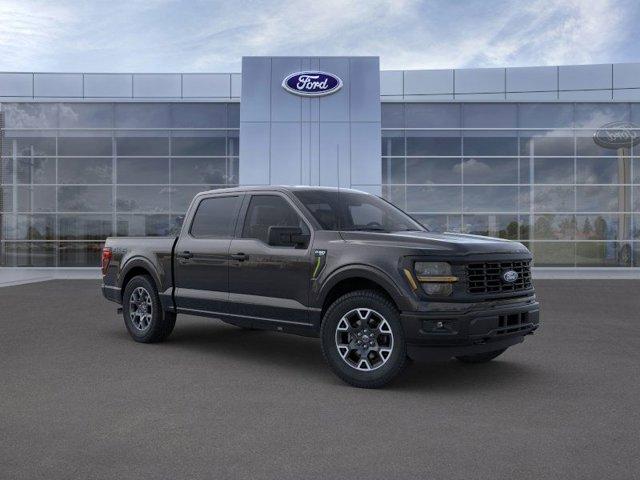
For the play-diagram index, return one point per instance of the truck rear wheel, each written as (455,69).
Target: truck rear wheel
(144,317)
(481,357)
(362,339)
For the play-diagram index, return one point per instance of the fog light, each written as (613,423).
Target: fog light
(437,288)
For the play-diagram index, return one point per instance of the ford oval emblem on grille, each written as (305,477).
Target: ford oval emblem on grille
(510,276)
(312,83)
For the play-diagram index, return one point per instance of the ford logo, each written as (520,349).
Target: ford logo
(617,135)
(510,276)
(312,84)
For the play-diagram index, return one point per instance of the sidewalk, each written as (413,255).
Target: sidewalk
(18,276)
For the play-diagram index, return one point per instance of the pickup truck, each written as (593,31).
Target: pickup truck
(349,267)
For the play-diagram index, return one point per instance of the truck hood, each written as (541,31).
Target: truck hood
(436,243)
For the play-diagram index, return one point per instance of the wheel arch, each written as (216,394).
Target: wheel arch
(362,277)
(138,266)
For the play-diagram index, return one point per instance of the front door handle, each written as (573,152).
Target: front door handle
(241,257)
(185,255)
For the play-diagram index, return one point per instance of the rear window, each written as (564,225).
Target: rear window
(215,217)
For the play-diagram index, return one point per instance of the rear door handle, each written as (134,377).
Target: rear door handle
(185,255)
(241,257)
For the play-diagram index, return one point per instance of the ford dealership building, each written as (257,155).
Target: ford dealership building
(548,155)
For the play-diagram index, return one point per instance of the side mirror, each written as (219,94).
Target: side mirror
(287,237)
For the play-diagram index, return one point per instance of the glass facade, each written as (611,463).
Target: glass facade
(74,173)
(523,171)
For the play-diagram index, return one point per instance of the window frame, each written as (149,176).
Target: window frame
(191,216)
(245,208)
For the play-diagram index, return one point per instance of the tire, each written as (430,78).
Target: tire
(153,324)
(481,357)
(368,365)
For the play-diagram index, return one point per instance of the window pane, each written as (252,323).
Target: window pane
(216,217)
(553,254)
(434,170)
(40,254)
(85,199)
(143,225)
(440,223)
(6,170)
(603,227)
(233,115)
(554,227)
(93,115)
(199,170)
(488,115)
(29,146)
(554,199)
(603,199)
(553,170)
(211,145)
(36,199)
(85,170)
(6,199)
(490,170)
(35,227)
(393,170)
(78,254)
(142,146)
(84,227)
(266,211)
(233,143)
(602,170)
(392,143)
(143,170)
(501,226)
(545,115)
(199,115)
(36,170)
(440,143)
(142,115)
(395,195)
(598,114)
(475,143)
(546,144)
(143,199)
(90,146)
(434,199)
(586,145)
(392,115)
(603,254)
(490,199)
(432,115)
(30,115)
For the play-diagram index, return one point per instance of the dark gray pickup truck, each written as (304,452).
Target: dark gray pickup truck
(375,285)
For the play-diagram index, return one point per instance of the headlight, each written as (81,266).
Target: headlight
(435,277)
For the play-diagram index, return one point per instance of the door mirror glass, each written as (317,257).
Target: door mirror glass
(287,237)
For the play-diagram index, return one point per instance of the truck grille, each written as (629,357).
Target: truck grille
(486,277)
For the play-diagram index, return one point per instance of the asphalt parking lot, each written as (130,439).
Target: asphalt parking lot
(79,399)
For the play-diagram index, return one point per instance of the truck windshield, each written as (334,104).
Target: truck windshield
(353,211)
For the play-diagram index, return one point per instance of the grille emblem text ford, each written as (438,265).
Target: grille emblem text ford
(312,83)
(510,276)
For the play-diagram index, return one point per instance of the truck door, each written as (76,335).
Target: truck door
(270,283)
(201,264)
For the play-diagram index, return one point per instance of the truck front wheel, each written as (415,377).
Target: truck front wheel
(362,339)
(144,317)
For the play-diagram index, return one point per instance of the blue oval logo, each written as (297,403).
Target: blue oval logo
(510,276)
(312,83)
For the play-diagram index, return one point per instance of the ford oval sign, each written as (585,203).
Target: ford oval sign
(617,135)
(510,276)
(312,84)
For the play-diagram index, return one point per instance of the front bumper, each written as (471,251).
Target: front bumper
(454,329)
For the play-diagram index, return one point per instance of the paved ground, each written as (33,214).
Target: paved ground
(79,399)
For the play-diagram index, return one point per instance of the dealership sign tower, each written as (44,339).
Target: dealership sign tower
(310,121)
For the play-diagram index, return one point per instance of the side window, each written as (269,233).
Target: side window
(268,211)
(215,217)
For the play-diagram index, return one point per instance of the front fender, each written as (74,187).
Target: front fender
(367,272)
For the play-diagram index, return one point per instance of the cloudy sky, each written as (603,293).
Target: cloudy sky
(212,36)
